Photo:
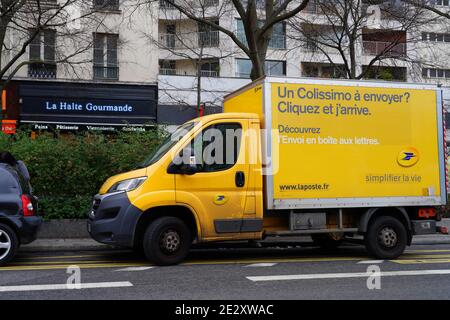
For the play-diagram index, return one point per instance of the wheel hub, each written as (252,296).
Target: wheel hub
(170,241)
(387,237)
(5,244)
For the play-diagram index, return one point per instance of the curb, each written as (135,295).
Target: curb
(64,245)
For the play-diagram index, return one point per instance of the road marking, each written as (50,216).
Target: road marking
(135,269)
(426,256)
(370,262)
(64,266)
(263,264)
(347,275)
(41,287)
(417,261)
(433,250)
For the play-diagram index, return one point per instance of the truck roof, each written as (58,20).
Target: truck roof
(231,115)
(337,82)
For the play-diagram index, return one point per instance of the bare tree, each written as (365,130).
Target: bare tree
(349,28)
(258,18)
(35,24)
(200,47)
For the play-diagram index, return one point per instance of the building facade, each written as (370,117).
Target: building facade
(94,73)
(165,65)
(413,53)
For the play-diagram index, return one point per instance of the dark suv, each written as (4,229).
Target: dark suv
(19,223)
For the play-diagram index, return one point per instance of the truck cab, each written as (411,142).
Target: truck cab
(179,196)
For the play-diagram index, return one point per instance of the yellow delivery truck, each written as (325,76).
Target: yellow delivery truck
(333,159)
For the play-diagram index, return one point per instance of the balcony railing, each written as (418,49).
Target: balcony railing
(374,48)
(207,39)
(178,72)
(206,3)
(42,70)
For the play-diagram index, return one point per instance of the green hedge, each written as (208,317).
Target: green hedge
(68,169)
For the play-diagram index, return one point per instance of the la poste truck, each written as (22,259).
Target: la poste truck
(328,158)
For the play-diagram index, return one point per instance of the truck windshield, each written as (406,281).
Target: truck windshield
(168,143)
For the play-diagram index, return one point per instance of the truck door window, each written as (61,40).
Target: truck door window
(217,148)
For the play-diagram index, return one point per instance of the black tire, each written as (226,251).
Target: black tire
(386,237)
(328,241)
(7,235)
(167,241)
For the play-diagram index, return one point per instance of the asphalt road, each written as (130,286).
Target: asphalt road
(423,272)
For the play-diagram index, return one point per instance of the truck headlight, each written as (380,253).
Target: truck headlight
(127,185)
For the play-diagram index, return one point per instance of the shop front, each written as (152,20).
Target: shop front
(69,106)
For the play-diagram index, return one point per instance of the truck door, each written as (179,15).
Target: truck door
(218,189)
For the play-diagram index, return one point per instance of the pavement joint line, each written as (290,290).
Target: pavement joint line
(430,250)
(44,287)
(319,276)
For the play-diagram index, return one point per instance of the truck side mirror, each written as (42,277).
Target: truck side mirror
(188,169)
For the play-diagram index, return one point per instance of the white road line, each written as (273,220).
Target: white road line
(263,264)
(347,275)
(41,287)
(370,262)
(134,269)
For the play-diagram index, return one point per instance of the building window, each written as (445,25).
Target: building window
(42,55)
(436,37)
(106,4)
(272,68)
(440,2)
(210,68)
(167,67)
(277,41)
(243,68)
(275,68)
(207,35)
(105,56)
(436,73)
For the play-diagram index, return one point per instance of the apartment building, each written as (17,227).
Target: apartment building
(97,72)
(419,54)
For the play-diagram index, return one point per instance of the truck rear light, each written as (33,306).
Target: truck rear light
(27,205)
(426,213)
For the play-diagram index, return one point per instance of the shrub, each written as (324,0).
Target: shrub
(68,169)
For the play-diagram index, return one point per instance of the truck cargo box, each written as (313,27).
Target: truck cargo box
(341,143)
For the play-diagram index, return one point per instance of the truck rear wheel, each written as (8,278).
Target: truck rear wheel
(386,237)
(167,241)
(329,241)
(9,243)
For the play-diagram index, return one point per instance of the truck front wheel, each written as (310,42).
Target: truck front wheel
(386,237)
(167,241)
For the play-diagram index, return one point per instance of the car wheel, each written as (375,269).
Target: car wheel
(329,241)
(386,237)
(9,244)
(167,241)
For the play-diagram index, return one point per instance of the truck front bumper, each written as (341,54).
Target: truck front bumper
(113,219)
